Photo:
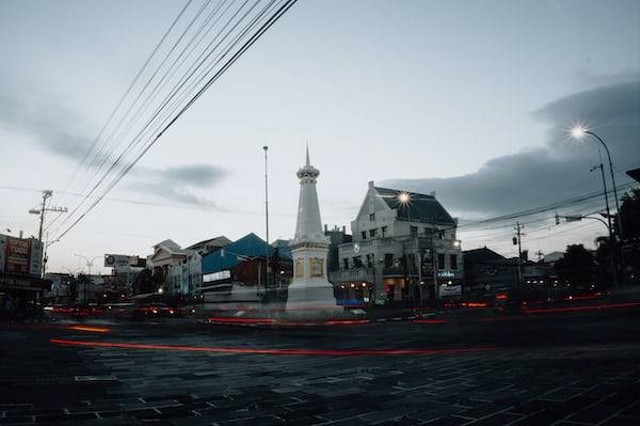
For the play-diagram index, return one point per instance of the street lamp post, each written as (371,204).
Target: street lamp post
(89,261)
(606,199)
(404,199)
(577,218)
(579,133)
(266,214)
(89,266)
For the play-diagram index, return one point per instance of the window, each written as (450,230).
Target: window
(411,262)
(388,260)
(384,231)
(414,231)
(345,263)
(372,217)
(441,235)
(440,260)
(364,235)
(453,261)
(357,262)
(369,260)
(373,233)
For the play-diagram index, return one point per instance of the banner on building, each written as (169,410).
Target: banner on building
(35,257)
(120,260)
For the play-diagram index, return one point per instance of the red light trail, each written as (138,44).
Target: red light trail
(272,351)
(583,308)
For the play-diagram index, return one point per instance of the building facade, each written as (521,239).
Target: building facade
(404,249)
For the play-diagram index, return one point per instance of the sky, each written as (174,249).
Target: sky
(470,99)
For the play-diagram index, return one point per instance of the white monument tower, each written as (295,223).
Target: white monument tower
(310,288)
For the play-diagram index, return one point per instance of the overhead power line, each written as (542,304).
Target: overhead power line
(243,29)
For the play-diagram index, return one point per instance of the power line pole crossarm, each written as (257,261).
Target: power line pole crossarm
(46,194)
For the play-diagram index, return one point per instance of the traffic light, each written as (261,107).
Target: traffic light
(515,241)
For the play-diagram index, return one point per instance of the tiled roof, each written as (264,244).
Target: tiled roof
(420,207)
(211,242)
(482,255)
(249,246)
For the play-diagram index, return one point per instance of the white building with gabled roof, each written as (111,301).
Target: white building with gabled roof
(404,248)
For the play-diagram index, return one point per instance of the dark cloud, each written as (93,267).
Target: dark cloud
(175,184)
(555,171)
(65,133)
(200,175)
(173,193)
(49,123)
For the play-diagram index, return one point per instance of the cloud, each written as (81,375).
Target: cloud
(200,175)
(65,133)
(177,183)
(553,172)
(49,123)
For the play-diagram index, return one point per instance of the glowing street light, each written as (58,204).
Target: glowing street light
(404,198)
(579,132)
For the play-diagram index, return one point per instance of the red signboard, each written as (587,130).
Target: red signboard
(17,255)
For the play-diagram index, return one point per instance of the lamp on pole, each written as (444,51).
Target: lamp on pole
(577,218)
(580,132)
(89,261)
(266,213)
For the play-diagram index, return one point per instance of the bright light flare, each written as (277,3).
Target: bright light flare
(578,132)
(404,198)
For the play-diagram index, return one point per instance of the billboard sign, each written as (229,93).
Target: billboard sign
(121,260)
(20,256)
(16,256)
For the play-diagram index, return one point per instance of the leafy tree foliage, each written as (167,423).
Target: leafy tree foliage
(576,268)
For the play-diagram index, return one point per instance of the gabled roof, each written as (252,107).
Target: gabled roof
(231,255)
(420,208)
(284,249)
(482,255)
(216,242)
(170,247)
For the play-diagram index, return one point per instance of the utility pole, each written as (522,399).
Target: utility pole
(517,240)
(266,214)
(46,194)
(606,200)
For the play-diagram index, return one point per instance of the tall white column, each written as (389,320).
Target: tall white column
(310,289)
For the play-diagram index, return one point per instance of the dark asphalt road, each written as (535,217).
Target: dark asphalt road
(565,369)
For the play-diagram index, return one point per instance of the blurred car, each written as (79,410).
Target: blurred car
(153,309)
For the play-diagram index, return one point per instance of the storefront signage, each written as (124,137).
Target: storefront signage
(216,276)
(446,274)
(16,256)
(450,290)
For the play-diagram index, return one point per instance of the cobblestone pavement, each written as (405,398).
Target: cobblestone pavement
(566,370)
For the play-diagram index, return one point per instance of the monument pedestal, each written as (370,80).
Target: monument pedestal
(311,296)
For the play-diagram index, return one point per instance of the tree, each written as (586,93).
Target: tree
(576,268)
(604,262)
(630,214)
(630,237)
(144,283)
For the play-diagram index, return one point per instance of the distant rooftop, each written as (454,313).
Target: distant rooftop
(419,207)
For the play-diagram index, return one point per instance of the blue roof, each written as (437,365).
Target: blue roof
(250,246)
